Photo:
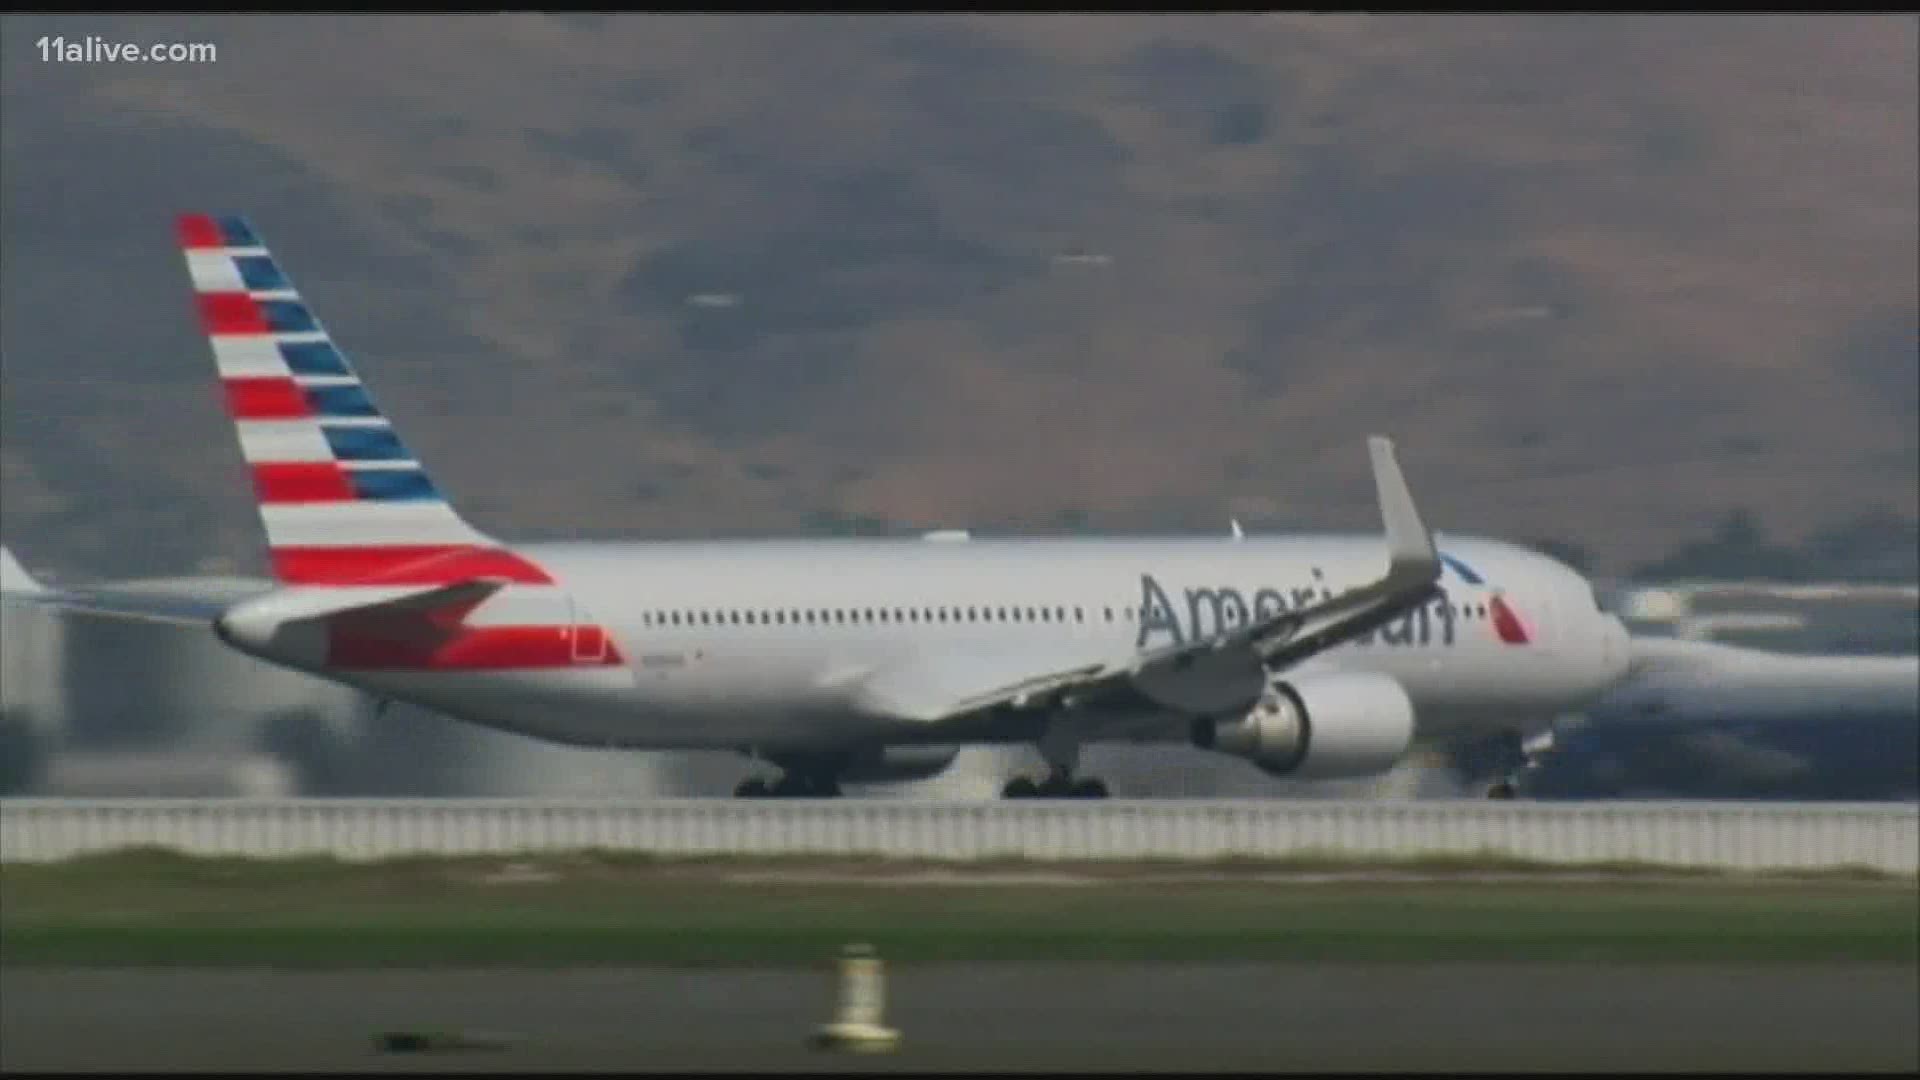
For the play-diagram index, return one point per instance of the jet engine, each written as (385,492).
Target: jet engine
(892,763)
(1339,724)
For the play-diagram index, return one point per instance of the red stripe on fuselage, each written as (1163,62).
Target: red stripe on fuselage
(1506,623)
(469,648)
(269,398)
(199,231)
(301,482)
(443,564)
(232,313)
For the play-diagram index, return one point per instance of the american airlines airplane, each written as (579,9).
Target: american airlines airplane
(1677,685)
(1675,679)
(857,660)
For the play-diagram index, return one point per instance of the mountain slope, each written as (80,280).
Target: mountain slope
(1603,277)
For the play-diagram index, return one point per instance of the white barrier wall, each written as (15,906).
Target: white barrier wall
(1744,836)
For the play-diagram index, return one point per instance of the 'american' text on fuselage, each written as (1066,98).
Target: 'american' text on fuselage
(1210,610)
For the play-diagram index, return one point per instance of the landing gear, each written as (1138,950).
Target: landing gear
(1508,757)
(1063,756)
(791,785)
(1056,786)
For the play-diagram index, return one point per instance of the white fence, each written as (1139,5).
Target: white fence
(1739,836)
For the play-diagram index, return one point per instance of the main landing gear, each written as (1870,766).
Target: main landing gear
(797,780)
(1055,786)
(1063,756)
(789,786)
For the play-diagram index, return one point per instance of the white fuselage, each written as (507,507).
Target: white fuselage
(1675,680)
(760,644)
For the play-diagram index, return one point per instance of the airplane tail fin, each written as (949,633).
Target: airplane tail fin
(14,577)
(343,500)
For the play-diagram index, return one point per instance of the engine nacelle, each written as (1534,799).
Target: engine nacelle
(895,763)
(1339,724)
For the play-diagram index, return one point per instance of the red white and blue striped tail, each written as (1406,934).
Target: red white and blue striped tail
(343,500)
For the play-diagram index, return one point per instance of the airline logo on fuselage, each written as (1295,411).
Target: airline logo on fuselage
(1209,610)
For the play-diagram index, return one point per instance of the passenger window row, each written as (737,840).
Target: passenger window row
(857,616)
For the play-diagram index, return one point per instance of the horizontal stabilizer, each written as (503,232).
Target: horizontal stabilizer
(262,617)
(14,577)
(179,602)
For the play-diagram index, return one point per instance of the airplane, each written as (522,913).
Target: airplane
(1677,685)
(856,659)
(1678,679)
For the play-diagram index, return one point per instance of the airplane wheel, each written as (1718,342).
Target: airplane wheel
(1020,787)
(1057,786)
(791,786)
(1501,790)
(1089,789)
(754,788)
(827,787)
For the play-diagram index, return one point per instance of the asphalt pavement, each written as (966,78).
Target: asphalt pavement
(1450,1017)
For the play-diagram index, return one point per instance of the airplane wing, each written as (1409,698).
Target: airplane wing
(1220,672)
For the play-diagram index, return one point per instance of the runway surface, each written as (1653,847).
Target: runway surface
(1452,1017)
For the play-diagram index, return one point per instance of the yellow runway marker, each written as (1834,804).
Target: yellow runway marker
(857,1024)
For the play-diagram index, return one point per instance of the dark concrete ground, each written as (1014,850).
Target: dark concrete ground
(1452,1017)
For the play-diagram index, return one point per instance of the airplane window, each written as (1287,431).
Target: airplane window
(1079,615)
(1109,614)
(1060,614)
(1015,617)
(883,614)
(1030,617)
(1129,613)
